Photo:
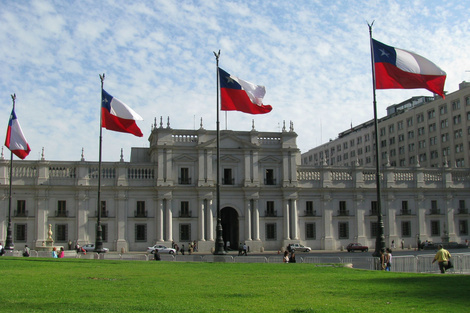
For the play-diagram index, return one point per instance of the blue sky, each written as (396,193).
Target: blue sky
(312,56)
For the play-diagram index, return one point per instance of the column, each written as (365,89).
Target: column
(210,220)
(200,219)
(121,222)
(159,220)
(295,220)
(248,219)
(327,220)
(169,220)
(256,220)
(449,210)
(285,220)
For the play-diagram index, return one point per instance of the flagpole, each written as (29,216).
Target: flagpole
(99,230)
(219,241)
(9,245)
(380,239)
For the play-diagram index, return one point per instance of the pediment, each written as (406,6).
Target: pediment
(230,141)
(185,158)
(229,159)
(270,159)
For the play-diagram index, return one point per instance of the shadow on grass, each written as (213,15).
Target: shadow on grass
(428,288)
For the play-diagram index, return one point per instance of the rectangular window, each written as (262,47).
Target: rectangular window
(404,208)
(21,208)
(435,231)
(310,232)
(104,212)
(462,208)
(185,212)
(373,208)
(406,229)
(444,124)
(443,109)
(271,231)
(269,177)
(270,212)
(61,208)
(309,208)
(374,229)
(61,232)
(463,227)
(431,114)
(140,232)
(20,232)
(185,232)
(420,118)
(184,176)
(227,179)
(141,211)
(343,230)
(104,232)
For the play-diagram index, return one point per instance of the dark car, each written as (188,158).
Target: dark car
(357,246)
(445,245)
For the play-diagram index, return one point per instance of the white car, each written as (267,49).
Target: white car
(91,248)
(161,249)
(299,247)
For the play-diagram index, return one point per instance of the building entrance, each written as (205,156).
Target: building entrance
(229,221)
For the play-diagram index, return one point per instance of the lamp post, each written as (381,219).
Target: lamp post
(9,245)
(380,239)
(219,240)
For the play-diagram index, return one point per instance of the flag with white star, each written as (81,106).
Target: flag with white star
(239,95)
(400,69)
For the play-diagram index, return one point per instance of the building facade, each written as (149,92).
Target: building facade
(429,131)
(167,193)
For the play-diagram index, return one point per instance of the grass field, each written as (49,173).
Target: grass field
(74,285)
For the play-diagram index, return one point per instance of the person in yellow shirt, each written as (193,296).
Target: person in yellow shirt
(442,257)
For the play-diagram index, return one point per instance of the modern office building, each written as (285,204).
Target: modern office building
(424,131)
(167,193)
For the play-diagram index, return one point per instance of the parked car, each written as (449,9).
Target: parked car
(161,249)
(445,245)
(299,247)
(91,247)
(357,246)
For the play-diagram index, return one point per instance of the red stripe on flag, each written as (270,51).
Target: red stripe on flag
(112,122)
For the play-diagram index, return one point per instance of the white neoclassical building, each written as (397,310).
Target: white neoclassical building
(166,193)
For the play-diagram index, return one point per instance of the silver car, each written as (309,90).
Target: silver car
(298,247)
(91,247)
(161,249)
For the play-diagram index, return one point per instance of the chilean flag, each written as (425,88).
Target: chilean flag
(401,69)
(15,140)
(239,95)
(117,116)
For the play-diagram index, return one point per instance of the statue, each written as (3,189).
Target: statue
(50,233)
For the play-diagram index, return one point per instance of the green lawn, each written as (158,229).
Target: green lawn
(35,284)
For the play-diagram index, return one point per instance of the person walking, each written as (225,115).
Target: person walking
(156,255)
(292,257)
(26,251)
(442,257)
(285,259)
(388,259)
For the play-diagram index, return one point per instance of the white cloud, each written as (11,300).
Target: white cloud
(313,57)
